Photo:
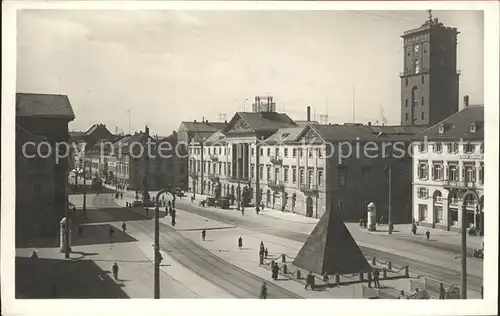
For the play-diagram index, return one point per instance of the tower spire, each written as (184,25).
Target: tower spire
(430,14)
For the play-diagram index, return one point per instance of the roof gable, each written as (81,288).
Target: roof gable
(309,135)
(44,105)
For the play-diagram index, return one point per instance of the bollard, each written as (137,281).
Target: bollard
(389,265)
(337,279)
(407,271)
(285,269)
(361,276)
(384,273)
(374,262)
(261,259)
(283,258)
(298,275)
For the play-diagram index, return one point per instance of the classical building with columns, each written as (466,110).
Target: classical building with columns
(449,171)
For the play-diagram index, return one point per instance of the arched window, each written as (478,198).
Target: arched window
(417,66)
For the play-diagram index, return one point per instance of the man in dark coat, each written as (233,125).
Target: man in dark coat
(263,291)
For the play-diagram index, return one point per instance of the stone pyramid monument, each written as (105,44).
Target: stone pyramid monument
(330,248)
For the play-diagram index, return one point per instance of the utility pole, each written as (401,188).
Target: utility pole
(157,252)
(464,252)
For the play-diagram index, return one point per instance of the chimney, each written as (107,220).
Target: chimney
(369,123)
(308,113)
(146,130)
(466,101)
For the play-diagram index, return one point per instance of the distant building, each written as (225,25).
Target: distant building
(41,183)
(87,140)
(192,133)
(448,172)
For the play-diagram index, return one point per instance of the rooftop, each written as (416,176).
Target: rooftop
(457,126)
(44,105)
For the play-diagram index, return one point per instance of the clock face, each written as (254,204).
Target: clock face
(417,47)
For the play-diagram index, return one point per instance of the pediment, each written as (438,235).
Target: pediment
(309,135)
(239,125)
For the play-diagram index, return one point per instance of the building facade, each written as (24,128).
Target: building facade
(47,116)
(448,168)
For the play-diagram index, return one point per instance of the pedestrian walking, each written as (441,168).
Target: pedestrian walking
(265,253)
(203,234)
(146,211)
(427,234)
(441,291)
(242,210)
(401,295)
(263,291)
(121,195)
(376,276)
(240,242)
(257,210)
(310,281)
(115,271)
(369,279)
(124,227)
(414,229)
(275,271)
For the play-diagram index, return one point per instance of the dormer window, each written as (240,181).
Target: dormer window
(441,129)
(472,127)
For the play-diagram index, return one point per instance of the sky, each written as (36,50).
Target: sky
(169,66)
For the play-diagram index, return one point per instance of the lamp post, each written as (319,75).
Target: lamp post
(389,223)
(463,242)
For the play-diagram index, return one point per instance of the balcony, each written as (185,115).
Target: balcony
(276,185)
(213,177)
(454,184)
(276,160)
(309,189)
(214,158)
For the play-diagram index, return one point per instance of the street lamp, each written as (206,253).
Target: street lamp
(389,223)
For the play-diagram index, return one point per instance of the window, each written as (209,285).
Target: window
(269,152)
(320,153)
(229,168)
(452,172)
(422,212)
(441,129)
(285,174)
(320,177)
(294,175)
(277,152)
(276,174)
(301,152)
(310,152)
(415,103)
(437,171)
(422,101)
(220,168)
(285,152)
(208,150)
(225,151)
(262,152)
(294,152)
(342,178)
(469,148)
(438,147)
(470,173)
(472,127)
(310,177)
(406,116)
(423,171)
(261,172)
(438,210)
(423,81)
(422,193)
(406,103)
(220,150)
(252,171)
(340,205)
(253,152)
(268,173)
(301,176)
(422,147)
(406,82)
(452,148)
(417,66)
(422,115)
(481,148)
(204,166)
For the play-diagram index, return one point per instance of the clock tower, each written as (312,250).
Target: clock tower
(429,81)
